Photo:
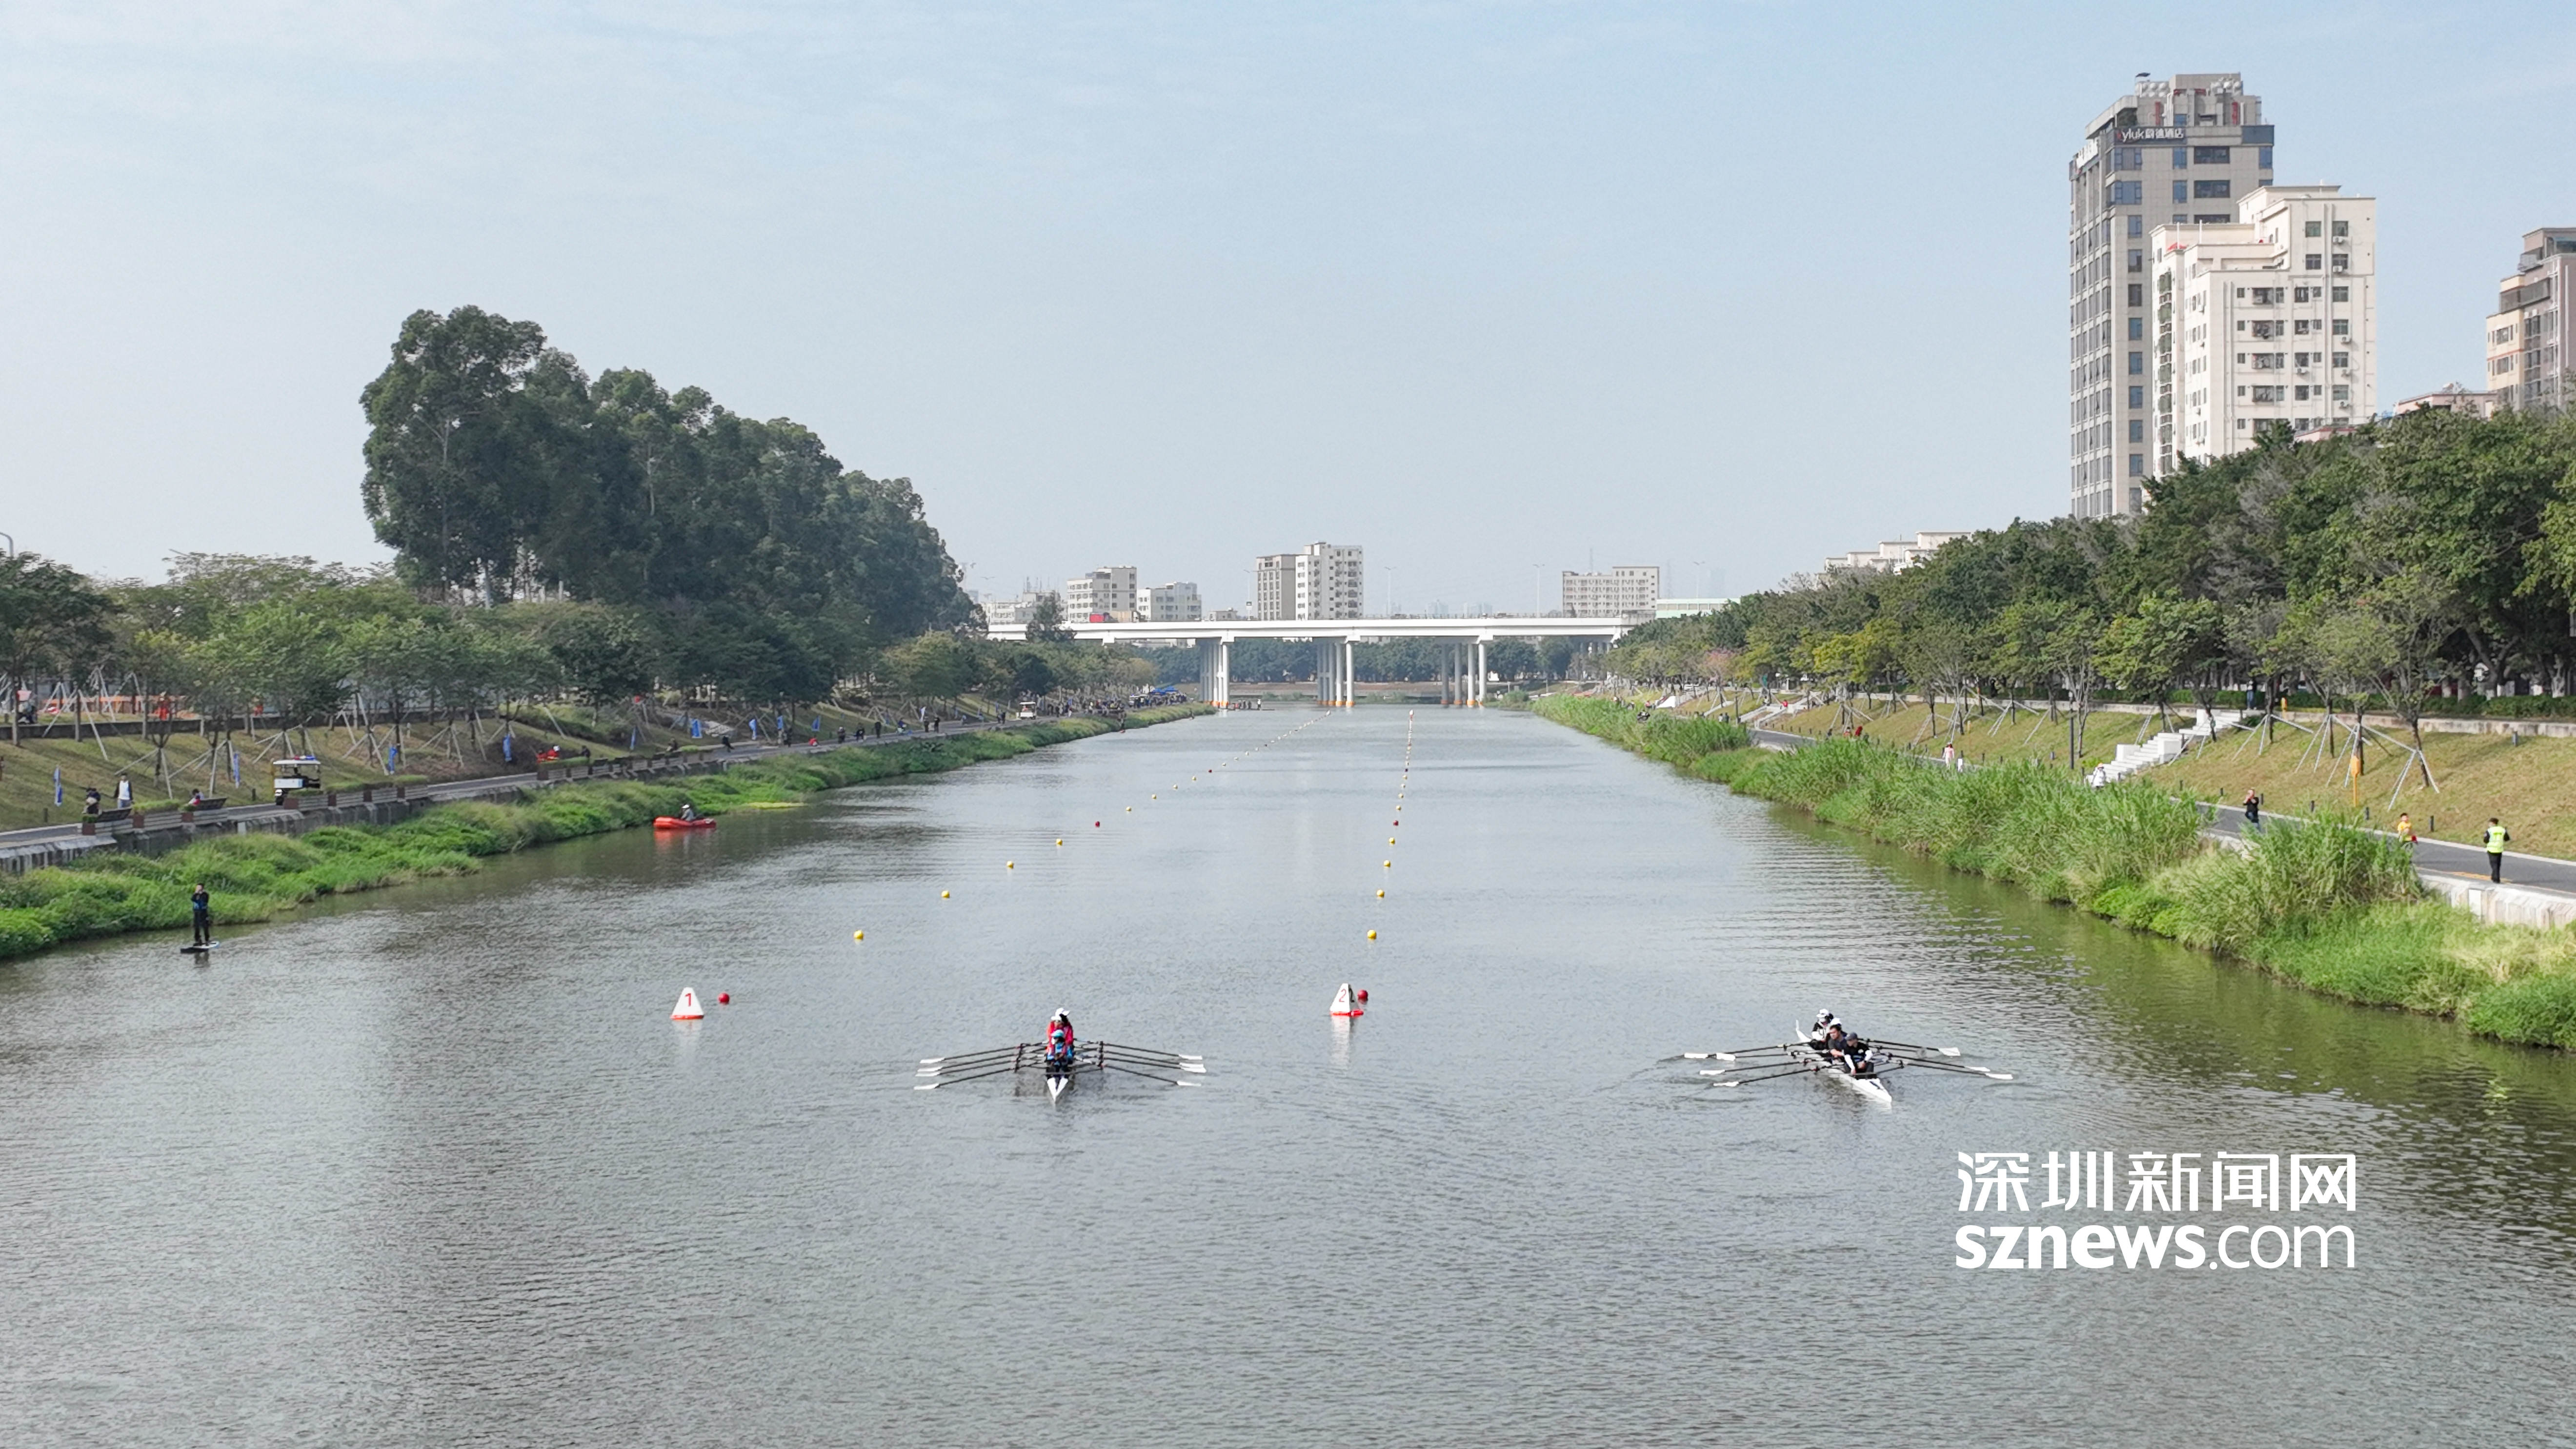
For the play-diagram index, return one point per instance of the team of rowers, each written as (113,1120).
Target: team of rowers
(1839,1045)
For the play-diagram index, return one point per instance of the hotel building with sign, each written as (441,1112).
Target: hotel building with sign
(2170,153)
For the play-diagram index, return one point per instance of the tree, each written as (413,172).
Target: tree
(1046,621)
(2160,643)
(52,621)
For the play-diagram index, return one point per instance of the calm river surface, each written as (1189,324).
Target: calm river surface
(436,1168)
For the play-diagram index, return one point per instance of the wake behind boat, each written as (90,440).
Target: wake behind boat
(1836,1054)
(1062,1061)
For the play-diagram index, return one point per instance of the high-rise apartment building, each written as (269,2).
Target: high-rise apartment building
(1170,604)
(2528,364)
(1629,589)
(1105,595)
(2268,318)
(1319,581)
(2169,153)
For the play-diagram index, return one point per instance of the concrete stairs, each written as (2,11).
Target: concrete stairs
(2166,747)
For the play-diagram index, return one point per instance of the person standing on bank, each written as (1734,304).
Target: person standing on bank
(124,793)
(2497,835)
(2253,809)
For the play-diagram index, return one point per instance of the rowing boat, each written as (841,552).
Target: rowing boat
(1092,1060)
(1803,1055)
(1865,1081)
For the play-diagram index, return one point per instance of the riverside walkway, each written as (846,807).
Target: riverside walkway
(35,847)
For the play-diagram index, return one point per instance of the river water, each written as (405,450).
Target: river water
(435,1168)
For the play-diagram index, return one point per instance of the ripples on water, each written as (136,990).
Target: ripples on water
(434,1168)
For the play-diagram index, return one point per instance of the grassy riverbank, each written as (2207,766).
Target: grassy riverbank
(2331,907)
(256,877)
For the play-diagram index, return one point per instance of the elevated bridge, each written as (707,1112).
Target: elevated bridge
(1462,675)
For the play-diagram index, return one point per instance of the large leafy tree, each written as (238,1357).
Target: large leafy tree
(53,621)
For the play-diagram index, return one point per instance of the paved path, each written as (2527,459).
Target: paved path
(2444,858)
(487,785)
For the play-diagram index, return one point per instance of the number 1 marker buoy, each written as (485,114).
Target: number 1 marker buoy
(688,1009)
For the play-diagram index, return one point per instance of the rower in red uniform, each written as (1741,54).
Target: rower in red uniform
(1059,1042)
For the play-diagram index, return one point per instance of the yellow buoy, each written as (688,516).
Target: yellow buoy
(858,935)
(1131,809)
(1390,840)
(1390,865)
(1381,895)
(943,895)
(1372,935)
(1010,865)
(1059,840)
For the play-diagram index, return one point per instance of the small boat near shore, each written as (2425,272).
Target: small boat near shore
(674,822)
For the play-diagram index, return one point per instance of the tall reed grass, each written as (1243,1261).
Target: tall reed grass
(256,877)
(2325,903)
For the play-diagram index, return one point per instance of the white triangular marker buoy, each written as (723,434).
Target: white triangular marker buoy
(1343,1004)
(688,1009)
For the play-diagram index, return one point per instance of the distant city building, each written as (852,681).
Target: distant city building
(1004,611)
(1170,604)
(2170,153)
(1319,581)
(2451,398)
(1226,615)
(1104,595)
(2528,364)
(2268,319)
(1893,557)
(1625,590)
(1684,608)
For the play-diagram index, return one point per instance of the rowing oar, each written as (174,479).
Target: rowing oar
(1151,1059)
(1759,1051)
(968,1077)
(1146,1051)
(1951,1067)
(1148,1076)
(1911,1047)
(1764,1076)
(930,1065)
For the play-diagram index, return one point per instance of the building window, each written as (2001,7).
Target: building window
(2208,155)
(2137,397)
(2129,158)
(2316,228)
(2213,218)
(2342,394)
(2300,327)
(2137,260)
(2343,228)
(2263,158)
(2343,327)
(2182,157)
(2343,294)
(2263,394)
(2137,294)
(2137,430)
(2316,261)
(2137,329)
(2300,294)
(2137,364)
(2182,191)
(2343,261)
(2137,226)
(2127,193)
(2217,188)
(2137,465)
(2303,359)
(2299,394)
(2240,425)
(2343,359)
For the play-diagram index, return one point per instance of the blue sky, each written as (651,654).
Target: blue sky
(1492,290)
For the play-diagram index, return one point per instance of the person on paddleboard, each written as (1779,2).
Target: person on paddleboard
(201,917)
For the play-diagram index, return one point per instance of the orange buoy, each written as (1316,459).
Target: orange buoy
(724,998)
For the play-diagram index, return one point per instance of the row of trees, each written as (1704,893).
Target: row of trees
(2427,555)
(299,641)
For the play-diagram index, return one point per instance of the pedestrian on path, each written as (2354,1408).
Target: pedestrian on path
(2406,829)
(2253,809)
(124,793)
(2497,835)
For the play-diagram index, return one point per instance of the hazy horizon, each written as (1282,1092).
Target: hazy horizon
(1489,290)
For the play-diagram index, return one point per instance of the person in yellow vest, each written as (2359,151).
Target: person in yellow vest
(2497,835)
